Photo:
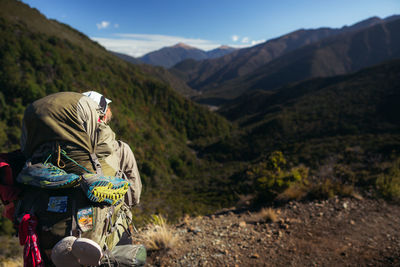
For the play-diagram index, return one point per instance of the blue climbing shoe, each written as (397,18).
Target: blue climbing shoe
(47,176)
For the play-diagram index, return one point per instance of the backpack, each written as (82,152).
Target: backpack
(56,122)
(10,165)
(63,212)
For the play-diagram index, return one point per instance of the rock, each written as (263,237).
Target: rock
(223,251)
(345,205)
(352,222)
(255,256)
(242,224)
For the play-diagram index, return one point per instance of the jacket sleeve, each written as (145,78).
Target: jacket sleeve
(129,166)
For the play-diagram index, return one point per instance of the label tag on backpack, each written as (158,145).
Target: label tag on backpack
(58,204)
(85,219)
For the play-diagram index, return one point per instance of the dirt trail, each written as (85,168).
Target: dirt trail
(335,232)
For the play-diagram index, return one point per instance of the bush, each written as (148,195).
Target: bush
(327,188)
(271,177)
(388,184)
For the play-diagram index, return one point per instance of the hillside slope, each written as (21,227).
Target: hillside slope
(315,118)
(162,74)
(48,57)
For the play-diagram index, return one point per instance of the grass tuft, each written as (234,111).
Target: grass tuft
(159,235)
(267,215)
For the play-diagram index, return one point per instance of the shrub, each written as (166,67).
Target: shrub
(388,184)
(271,177)
(327,189)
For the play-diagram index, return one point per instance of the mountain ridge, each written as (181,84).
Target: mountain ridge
(169,56)
(211,73)
(343,54)
(338,54)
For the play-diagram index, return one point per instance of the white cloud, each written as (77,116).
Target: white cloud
(137,45)
(245,40)
(235,38)
(256,42)
(248,44)
(103,25)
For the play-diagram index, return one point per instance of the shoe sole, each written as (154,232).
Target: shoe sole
(106,191)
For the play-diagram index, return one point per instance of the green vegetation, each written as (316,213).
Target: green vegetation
(388,183)
(344,130)
(271,177)
(149,115)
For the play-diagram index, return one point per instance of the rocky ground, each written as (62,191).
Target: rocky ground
(335,232)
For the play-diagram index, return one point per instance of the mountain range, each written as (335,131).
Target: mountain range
(169,56)
(229,76)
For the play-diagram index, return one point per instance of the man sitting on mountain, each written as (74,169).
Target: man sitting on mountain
(71,131)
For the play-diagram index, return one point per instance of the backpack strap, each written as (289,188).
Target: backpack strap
(93,157)
(75,230)
(96,163)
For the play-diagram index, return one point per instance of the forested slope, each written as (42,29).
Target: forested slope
(39,57)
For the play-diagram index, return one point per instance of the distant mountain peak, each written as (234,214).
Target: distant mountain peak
(183,45)
(224,47)
(364,23)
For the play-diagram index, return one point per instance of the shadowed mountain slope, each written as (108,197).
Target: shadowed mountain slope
(162,74)
(358,109)
(208,73)
(335,55)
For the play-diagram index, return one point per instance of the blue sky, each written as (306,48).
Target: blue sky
(136,27)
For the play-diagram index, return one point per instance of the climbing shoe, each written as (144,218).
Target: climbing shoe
(47,176)
(104,189)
